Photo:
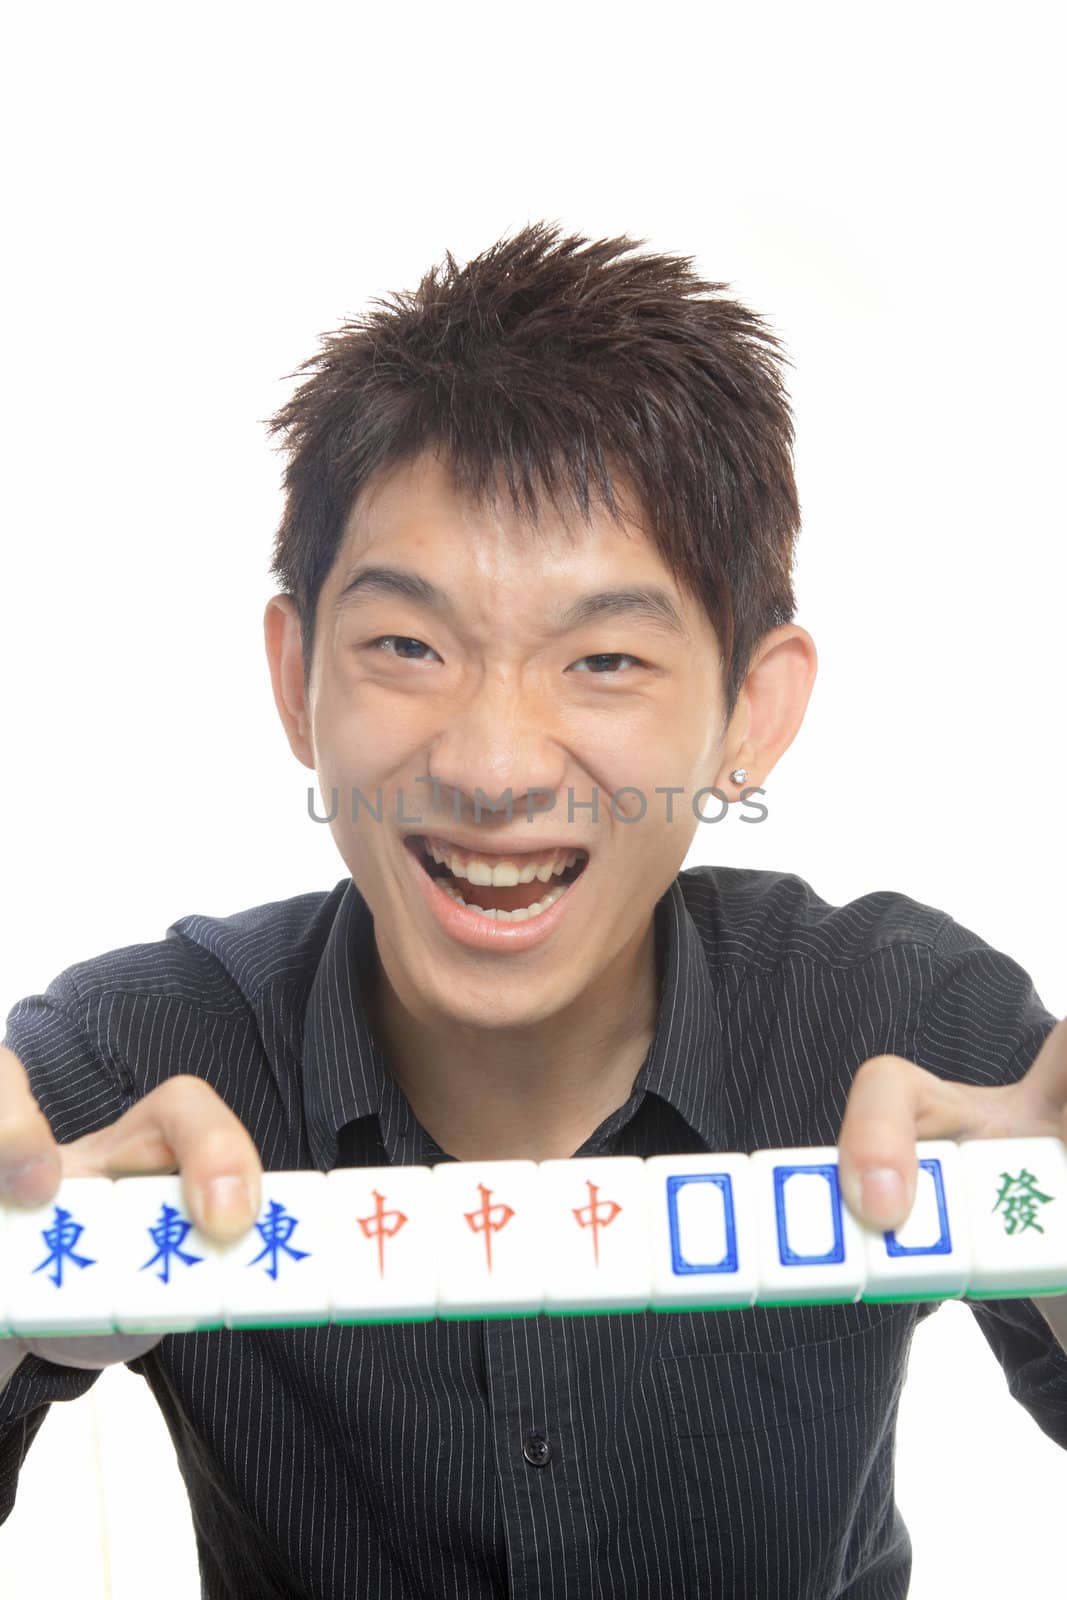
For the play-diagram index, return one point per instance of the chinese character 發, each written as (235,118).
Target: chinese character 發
(1021,1200)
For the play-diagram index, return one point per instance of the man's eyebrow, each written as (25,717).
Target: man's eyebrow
(396,583)
(650,604)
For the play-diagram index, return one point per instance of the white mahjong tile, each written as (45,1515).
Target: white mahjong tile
(705,1247)
(489,1238)
(278,1273)
(167,1276)
(929,1256)
(59,1259)
(1018,1211)
(811,1247)
(594,1219)
(385,1264)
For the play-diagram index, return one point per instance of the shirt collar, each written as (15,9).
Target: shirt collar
(344,1070)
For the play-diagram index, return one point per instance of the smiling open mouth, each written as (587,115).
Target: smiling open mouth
(511,902)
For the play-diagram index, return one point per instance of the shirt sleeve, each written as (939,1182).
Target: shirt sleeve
(57,1037)
(983,1023)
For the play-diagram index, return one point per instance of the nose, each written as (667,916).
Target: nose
(500,742)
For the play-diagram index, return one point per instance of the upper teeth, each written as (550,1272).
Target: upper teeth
(501,873)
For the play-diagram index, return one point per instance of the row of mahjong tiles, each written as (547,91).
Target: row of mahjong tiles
(469,1239)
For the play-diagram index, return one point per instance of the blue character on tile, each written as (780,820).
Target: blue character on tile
(61,1238)
(276,1232)
(168,1236)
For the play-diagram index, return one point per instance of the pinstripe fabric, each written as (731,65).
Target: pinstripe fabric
(742,1454)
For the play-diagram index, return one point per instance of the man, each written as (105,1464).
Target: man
(535,608)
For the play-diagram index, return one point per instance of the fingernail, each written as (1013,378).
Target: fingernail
(227,1203)
(883,1194)
(33,1183)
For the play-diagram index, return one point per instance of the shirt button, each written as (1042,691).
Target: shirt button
(537,1449)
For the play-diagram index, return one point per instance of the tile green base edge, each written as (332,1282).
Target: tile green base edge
(1015,1294)
(383,1322)
(307,1321)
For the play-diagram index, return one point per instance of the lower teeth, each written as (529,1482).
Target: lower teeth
(522,914)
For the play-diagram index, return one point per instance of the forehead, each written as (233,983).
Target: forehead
(414,537)
(415,511)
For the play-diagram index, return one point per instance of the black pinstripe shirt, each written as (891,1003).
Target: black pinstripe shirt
(737,1454)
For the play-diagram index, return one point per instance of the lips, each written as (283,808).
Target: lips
(466,925)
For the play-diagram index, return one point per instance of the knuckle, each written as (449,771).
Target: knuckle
(185,1089)
(883,1069)
(222,1146)
(9,1061)
(867,1150)
(181,1084)
(26,1123)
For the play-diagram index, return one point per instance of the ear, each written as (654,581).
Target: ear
(285,653)
(771,704)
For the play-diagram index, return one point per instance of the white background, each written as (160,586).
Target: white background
(193,193)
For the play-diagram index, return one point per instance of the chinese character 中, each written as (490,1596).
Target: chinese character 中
(589,1216)
(483,1220)
(377,1227)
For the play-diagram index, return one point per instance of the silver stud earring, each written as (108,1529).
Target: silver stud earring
(738,775)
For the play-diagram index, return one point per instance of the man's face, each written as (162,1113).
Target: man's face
(492,693)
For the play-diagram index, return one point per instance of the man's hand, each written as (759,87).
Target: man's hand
(893,1103)
(182,1126)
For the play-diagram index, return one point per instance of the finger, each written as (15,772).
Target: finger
(1045,1083)
(185,1125)
(891,1104)
(30,1169)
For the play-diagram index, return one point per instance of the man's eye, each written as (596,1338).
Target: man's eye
(386,638)
(614,656)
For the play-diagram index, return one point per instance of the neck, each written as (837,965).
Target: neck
(533,1093)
